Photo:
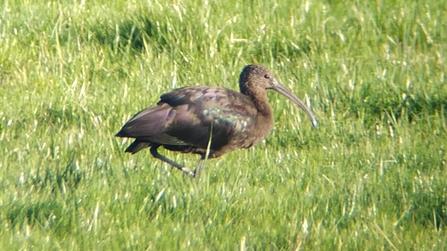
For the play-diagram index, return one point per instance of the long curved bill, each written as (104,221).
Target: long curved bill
(287,93)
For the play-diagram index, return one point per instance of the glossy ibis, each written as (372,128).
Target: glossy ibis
(209,121)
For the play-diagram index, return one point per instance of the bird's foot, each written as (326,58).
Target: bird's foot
(188,172)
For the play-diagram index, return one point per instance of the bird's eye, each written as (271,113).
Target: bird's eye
(266,76)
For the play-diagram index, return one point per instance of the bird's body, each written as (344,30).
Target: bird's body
(213,120)
(182,122)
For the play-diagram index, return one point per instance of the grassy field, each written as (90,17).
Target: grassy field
(372,176)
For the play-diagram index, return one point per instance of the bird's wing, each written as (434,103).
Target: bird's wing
(184,116)
(151,125)
(197,108)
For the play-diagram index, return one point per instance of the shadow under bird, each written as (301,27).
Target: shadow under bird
(209,121)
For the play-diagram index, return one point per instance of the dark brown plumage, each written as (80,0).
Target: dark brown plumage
(183,118)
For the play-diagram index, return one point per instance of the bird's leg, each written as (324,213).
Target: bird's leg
(205,156)
(155,153)
(199,168)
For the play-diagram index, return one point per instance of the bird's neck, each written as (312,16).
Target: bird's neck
(264,118)
(260,100)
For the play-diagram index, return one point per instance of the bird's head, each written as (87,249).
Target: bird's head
(255,77)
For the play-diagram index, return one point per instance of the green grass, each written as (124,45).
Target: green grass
(372,176)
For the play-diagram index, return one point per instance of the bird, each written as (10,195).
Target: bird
(207,120)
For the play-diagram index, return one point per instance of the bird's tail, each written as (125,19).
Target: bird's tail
(137,146)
